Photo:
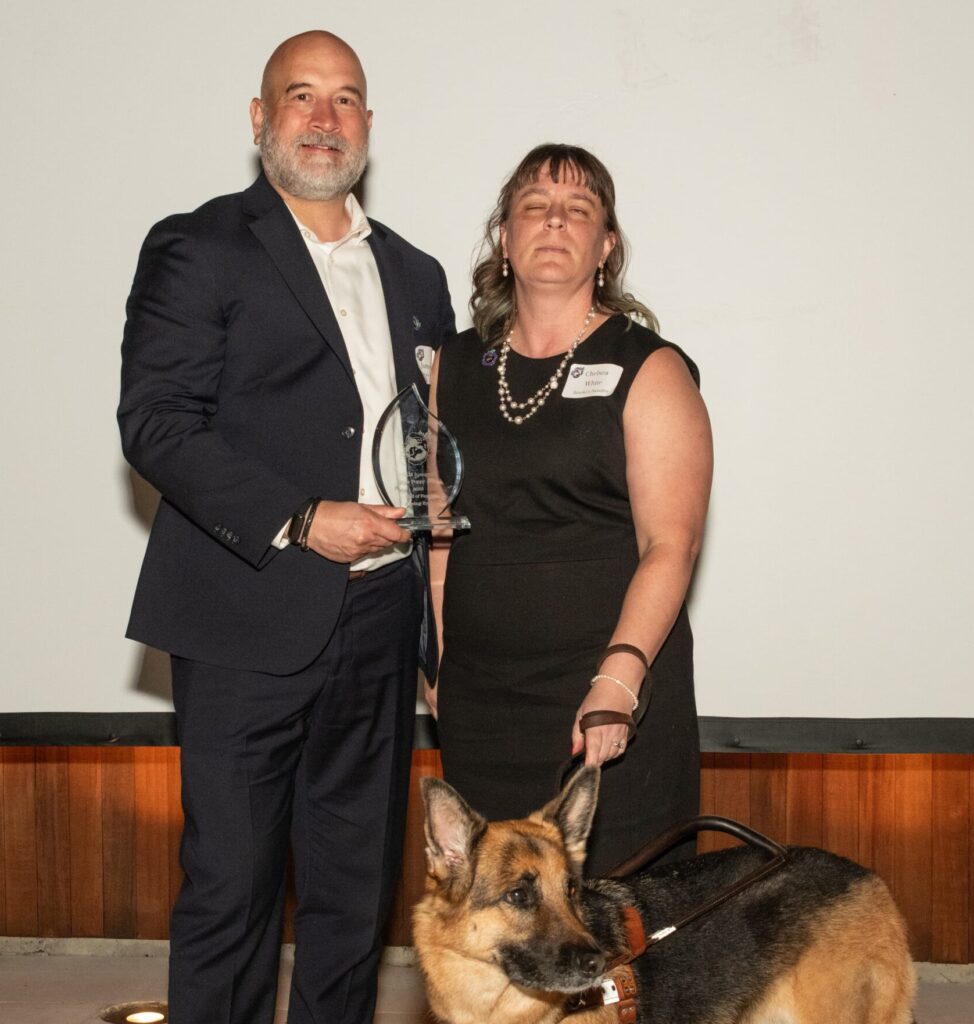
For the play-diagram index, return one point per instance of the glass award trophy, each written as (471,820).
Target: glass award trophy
(430,466)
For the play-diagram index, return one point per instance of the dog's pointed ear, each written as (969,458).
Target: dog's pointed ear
(452,832)
(573,810)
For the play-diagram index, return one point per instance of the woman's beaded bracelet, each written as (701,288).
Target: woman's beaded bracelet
(618,682)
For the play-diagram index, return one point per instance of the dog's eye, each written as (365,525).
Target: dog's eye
(519,896)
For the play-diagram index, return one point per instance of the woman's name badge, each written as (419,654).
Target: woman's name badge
(592,380)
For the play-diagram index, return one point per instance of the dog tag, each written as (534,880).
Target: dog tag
(610,994)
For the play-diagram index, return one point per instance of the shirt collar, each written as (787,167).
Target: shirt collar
(358,231)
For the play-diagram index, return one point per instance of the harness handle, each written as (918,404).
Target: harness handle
(777,855)
(702,823)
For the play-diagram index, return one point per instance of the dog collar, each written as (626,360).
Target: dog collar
(619,988)
(632,922)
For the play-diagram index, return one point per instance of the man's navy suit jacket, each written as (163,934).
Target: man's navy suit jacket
(238,404)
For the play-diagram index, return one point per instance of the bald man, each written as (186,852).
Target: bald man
(266,332)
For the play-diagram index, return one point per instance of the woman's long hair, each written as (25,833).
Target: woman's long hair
(492,305)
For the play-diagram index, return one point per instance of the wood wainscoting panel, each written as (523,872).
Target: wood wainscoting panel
(89,836)
(803,800)
(53,836)
(153,838)
(840,804)
(175,823)
(877,801)
(19,841)
(768,792)
(86,783)
(913,845)
(952,939)
(728,787)
(412,880)
(119,816)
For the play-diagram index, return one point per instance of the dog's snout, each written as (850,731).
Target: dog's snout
(587,961)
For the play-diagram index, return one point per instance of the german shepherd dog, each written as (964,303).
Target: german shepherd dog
(509,933)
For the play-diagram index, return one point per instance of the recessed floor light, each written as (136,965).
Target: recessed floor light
(142,1012)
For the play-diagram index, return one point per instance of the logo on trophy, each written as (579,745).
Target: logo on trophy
(428,460)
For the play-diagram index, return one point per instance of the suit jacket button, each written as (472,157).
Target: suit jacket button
(348,432)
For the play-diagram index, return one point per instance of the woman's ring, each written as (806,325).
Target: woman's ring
(619,744)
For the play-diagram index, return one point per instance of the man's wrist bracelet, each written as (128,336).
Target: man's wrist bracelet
(297,522)
(300,526)
(306,526)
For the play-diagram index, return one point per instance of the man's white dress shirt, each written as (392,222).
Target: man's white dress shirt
(351,281)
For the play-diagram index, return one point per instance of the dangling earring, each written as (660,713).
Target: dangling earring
(601,276)
(504,267)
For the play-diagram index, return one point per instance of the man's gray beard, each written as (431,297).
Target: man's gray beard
(281,165)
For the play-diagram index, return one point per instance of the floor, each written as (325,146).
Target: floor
(51,982)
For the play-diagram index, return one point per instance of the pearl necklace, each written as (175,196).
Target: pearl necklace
(510,409)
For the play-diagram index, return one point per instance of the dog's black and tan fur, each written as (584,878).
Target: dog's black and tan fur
(507,928)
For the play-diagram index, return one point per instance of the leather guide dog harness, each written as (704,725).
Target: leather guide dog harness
(620,987)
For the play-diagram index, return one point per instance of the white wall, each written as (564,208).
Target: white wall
(795,179)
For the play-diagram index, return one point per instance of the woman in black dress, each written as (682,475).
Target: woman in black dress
(587,474)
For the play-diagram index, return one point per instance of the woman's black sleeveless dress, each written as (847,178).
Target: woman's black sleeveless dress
(534,590)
